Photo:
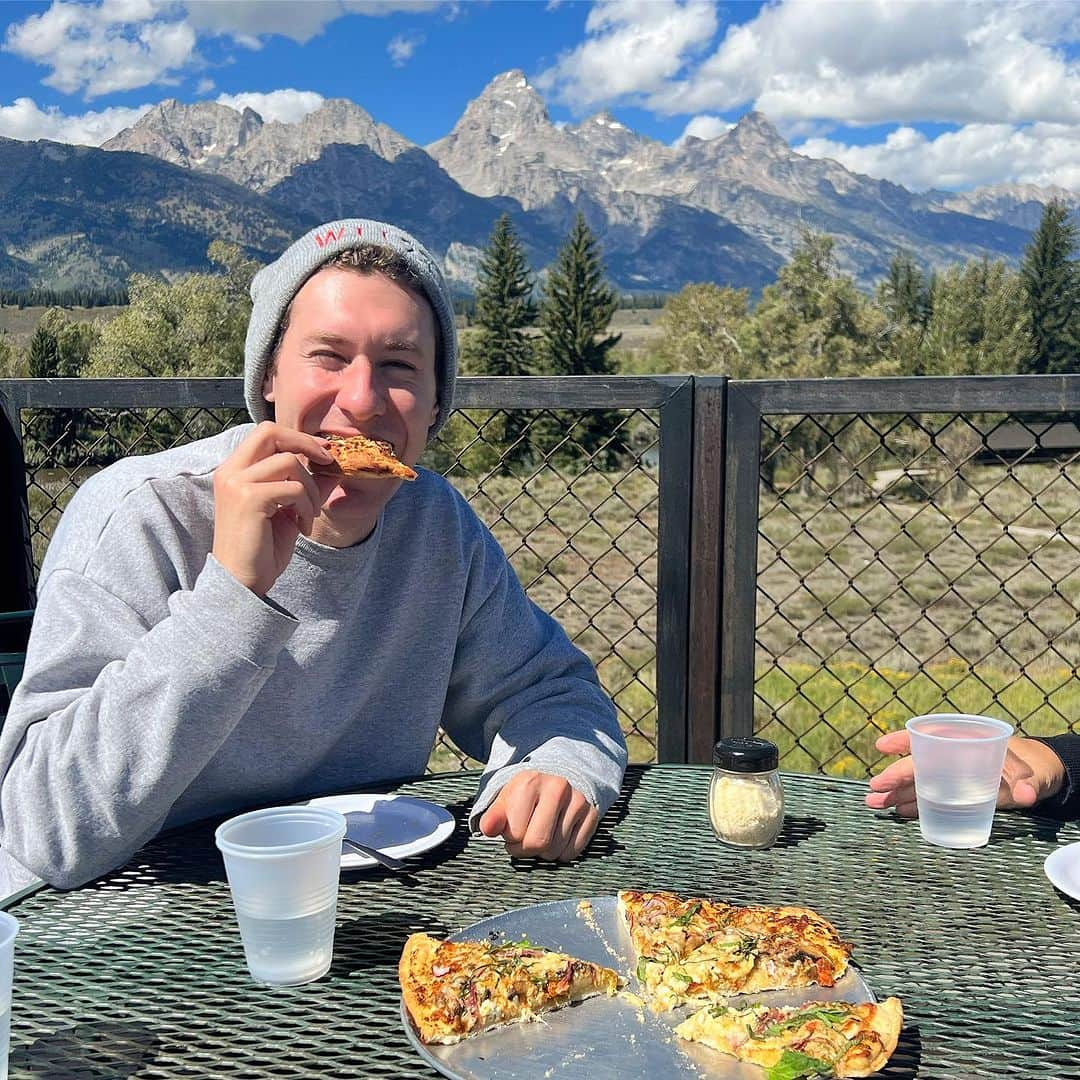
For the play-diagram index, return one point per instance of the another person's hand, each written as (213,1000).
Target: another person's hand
(1032,772)
(264,498)
(538,814)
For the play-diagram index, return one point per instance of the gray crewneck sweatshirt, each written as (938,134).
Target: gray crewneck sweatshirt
(158,689)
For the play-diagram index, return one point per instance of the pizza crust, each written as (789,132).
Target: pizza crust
(886,1023)
(414,974)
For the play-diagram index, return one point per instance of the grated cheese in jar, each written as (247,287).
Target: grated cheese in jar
(743,810)
(746,799)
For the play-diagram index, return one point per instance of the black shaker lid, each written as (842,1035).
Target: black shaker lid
(746,755)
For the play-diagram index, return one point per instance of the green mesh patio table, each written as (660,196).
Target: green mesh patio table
(141,974)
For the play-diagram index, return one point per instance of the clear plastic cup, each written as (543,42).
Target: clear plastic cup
(958,760)
(283,866)
(8,929)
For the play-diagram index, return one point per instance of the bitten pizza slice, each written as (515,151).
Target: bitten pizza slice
(821,1038)
(700,949)
(453,989)
(358,455)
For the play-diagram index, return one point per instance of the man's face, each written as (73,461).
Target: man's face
(358,357)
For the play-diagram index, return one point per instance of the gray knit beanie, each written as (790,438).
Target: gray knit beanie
(275,285)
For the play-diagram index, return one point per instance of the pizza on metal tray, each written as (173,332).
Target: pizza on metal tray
(688,950)
(698,949)
(821,1038)
(453,989)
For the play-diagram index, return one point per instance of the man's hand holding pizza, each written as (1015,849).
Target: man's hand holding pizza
(540,815)
(264,497)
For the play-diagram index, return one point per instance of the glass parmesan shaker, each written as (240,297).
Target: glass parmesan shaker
(746,798)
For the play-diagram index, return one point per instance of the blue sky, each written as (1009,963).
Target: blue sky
(929,93)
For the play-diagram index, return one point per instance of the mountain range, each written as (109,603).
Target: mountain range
(728,209)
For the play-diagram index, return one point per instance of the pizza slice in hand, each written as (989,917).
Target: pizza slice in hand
(822,1038)
(358,455)
(453,989)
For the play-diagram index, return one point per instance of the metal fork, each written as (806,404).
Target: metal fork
(383,860)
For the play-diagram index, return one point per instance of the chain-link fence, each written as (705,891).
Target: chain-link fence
(571,494)
(815,561)
(910,563)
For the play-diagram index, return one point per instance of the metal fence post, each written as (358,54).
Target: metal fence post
(673,645)
(703,657)
(16,558)
(738,598)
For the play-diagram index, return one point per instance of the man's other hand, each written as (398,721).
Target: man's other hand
(539,815)
(263,498)
(1032,772)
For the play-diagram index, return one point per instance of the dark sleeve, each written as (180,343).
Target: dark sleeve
(1066,803)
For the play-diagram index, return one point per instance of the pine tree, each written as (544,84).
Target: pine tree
(1051,280)
(904,293)
(980,323)
(577,308)
(504,308)
(44,359)
(575,312)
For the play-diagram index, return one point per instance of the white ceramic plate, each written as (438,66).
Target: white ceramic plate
(1063,869)
(396,824)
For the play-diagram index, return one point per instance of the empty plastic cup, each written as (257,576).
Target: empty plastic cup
(958,761)
(8,929)
(283,866)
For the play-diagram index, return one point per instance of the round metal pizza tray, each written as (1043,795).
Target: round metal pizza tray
(600,1037)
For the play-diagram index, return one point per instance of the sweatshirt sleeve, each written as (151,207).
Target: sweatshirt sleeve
(114,718)
(1066,803)
(521,696)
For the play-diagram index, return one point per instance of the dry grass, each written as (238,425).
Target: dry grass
(19,324)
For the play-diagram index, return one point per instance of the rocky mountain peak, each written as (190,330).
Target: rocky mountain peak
(188,135)
(508,102)
(339,120)
(755,134)
(605,119)
(603,140)
(245,148)
(499,134)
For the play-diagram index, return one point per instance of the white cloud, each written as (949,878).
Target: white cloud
(402,47)
(246,22)
(205,86)
(250,20)
(864,61)
(24,119)
(119,45)
(286,106)
(704,127)
(633,48)
(124,44)
(976,154)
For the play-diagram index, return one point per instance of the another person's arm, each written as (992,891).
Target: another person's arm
(524,699)
(131,683)
(1043,771)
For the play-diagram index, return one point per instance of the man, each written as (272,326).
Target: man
(1042,771)
(219,627)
